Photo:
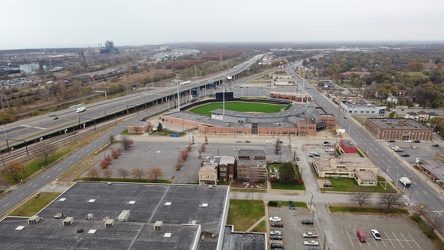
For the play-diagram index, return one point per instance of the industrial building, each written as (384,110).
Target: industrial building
(362,108)
(93,215)
(398,129)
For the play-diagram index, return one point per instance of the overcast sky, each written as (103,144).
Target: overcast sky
(83,23)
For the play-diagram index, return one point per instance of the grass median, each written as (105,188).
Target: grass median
(35,204)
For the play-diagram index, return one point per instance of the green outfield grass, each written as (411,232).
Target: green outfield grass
(239,106)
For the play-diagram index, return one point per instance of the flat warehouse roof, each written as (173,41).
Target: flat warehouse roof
(177,206)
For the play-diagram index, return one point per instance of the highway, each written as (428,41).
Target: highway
(67,120)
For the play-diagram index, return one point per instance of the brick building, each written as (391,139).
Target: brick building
(398,129)
(252,165)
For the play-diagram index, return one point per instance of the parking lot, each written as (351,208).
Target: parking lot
(293,227)
(397,232)
(422,150)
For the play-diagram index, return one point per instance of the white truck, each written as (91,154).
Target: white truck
(405,181)
(81,109)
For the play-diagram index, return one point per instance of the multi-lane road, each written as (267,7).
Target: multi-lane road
(421,193)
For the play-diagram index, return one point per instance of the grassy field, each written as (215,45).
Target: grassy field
(350,185)
(259,228)
(34,205)
(277,185)
(238,106)
(243,214)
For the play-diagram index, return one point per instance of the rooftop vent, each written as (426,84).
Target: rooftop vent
(168,203)
(167,235)
(131,202)
(68,221)
(92,200)
(19,228)
(34,219)
(58,215)
(79,230)
(109,223)
(92,231)
(158,225)
(204,205)
(124,215)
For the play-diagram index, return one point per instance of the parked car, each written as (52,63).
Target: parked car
(276,246)
(391,141)
(435,145)
(408,141)
(326,143)
(277,224)
(307,222)
(361,236)
(275,219)
(292,207)
(275,232)
(405,155)
(309,235)
(329,150)
(55,118)
(275,237)
(416,141)
(247,141)
(279,141)
(328,185)
(311,243)
(375,234)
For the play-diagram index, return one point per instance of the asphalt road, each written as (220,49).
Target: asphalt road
(31,186)
(421,193)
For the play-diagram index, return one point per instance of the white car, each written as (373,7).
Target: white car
(275,233)
(329,150)
(408,141)
(311,243)
(309,235)
(375,234)
(275,219)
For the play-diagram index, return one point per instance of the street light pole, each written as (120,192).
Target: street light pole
(6,137)
(177,155)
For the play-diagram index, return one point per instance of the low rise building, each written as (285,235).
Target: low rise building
(139,127)
(362,108)
(398,129)
(208,174)
(226,167)
(348,166)
(348,146)
(252,165)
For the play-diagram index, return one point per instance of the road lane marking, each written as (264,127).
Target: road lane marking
(6,205)
(48,177)
(20,195)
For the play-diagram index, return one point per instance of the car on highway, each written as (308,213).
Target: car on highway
(329,150)
(247,141)
(268,141)
(405,155)
(375,234)
(391,141)
(307,222)
(435,145)
(408,141)
(326,143)
(275,219)
(275,237)
(416,141)
(311,243)
(309,235)
(56,118)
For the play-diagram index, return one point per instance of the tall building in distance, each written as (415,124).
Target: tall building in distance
(109,48)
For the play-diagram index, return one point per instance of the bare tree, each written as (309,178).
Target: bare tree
(93,173)
(111,138)
(155,173)
(390,199)
(45,150)
(123,172)
(360,197)
(107,173)
(137,173)
(126,142)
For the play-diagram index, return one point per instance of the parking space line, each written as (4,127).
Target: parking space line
(383,242)
(413,239)
(407,241)
(390,239)
(350,238)
(398,240)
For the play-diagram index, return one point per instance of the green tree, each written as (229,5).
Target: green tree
(159,127)
(393,114)
(6,118)
(287,174)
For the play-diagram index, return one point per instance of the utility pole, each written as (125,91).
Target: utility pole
(178,94)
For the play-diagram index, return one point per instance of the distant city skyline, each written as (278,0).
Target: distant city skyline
(57,24)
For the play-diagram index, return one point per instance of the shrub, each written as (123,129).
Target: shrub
(272,204)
